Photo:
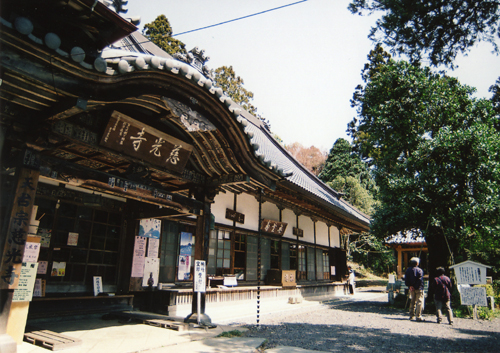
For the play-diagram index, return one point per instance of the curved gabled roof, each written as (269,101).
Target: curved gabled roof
(136,53)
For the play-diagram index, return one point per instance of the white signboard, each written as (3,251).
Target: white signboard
(200,275)
(473,296)
(24,291)
(97,285)
(139,255)
(470,275)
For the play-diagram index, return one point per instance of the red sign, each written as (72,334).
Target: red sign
(133,138)
(273,227)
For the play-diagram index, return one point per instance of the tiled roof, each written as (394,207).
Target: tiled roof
(136,53)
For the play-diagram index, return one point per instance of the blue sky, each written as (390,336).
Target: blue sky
(302,62)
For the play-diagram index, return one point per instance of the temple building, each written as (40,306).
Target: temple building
(121,166)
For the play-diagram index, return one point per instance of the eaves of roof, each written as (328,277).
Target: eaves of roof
(137,54)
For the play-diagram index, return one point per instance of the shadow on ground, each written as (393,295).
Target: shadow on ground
(344,338)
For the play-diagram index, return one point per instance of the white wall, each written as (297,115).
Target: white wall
(307,225)
(334,237)
(288,216)
(221,202)
(249,206)
(321,234)
(270,211)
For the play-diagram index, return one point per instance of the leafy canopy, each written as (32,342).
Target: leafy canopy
(437,30)
(435,153)
(160,33)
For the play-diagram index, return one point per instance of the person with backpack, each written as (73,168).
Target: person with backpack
(414,280)
(441,285)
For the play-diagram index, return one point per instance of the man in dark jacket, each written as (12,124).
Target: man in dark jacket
(441,286)
(414,280)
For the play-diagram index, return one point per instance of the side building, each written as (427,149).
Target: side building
(122,165)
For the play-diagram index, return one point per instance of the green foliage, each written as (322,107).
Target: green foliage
(232,85)
(160,33)
(354,193)
(435,154)
(230,334)
(437,30)
(369,251)
(342,161)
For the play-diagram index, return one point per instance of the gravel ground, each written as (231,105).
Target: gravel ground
(371,325)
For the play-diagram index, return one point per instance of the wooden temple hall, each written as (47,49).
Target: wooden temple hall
(122,165)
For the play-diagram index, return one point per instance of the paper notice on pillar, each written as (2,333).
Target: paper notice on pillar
(139,255)
(153,247)
(31,252)
(42,267)
(58,269)
(26,285)
(151,270)
(184,268)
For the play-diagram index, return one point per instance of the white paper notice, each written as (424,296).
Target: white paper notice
(24,291)
(31,252)
(139,255)
(153,247)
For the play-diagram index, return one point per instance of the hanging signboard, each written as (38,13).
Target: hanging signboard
(133,138)
(298,232)
(235,216)
(273,227)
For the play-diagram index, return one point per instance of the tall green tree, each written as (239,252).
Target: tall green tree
(343,162)
(160,33)
(232,85)
(434,150)
(437,30)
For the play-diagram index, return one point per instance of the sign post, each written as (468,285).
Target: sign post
(200,276)
(471,273)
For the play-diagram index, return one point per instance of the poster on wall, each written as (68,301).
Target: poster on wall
(72,239)
(42,267)
(153,247)
(58,269)
(37,290)
(184,268)
(139,255)
(185,252)
(97,285)
(151,271)
(150,228)
(45,237)
(25,287)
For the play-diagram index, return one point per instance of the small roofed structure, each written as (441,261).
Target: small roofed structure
(408,244)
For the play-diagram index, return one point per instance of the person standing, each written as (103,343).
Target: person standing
(414,280)
(441,286)
(351,280)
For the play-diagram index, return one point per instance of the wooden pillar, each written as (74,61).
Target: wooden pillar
(14,313)
(201,252)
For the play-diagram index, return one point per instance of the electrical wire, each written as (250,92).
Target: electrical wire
(239,18)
